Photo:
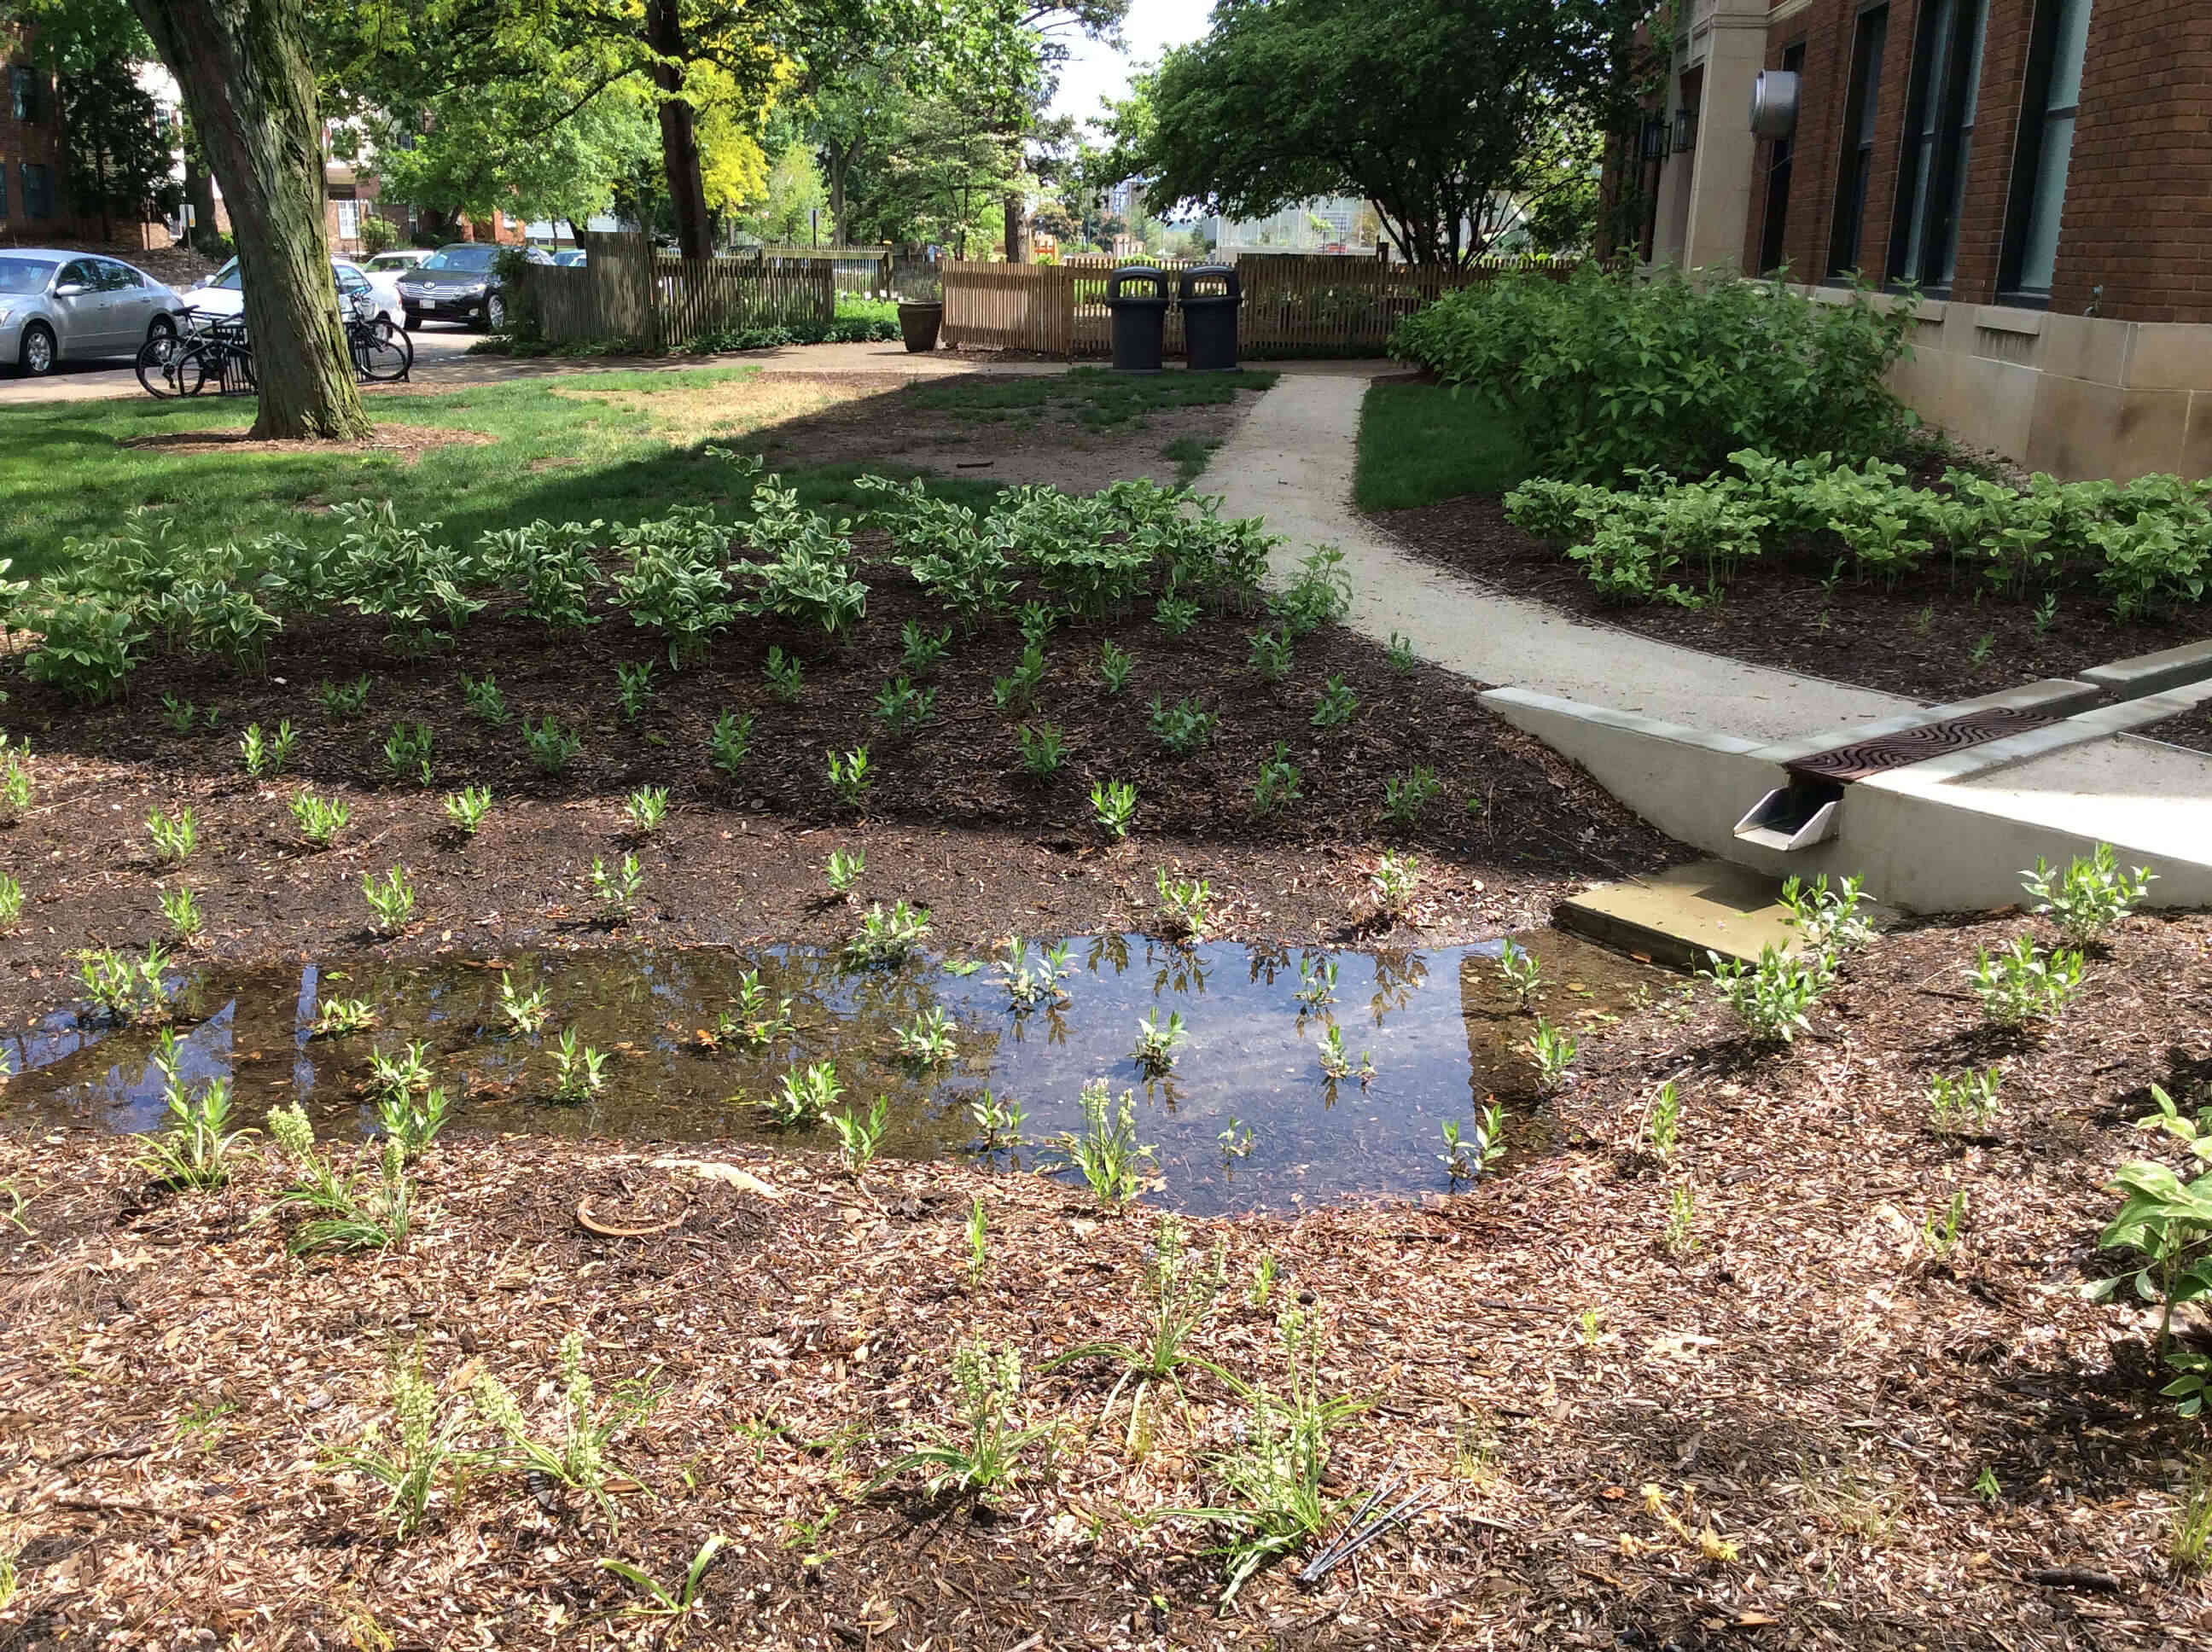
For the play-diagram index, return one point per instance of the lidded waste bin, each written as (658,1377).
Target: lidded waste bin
(1209,320)
(1140,323)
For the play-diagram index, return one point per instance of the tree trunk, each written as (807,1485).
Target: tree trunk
(1018,228)
(841,158)
(252,98)
(679,137)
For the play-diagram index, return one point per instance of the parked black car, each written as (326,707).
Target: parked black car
(458,283)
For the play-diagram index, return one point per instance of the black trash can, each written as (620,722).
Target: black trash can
(1209,320)
(1140,323)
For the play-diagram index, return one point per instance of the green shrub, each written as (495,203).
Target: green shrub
(1604,373)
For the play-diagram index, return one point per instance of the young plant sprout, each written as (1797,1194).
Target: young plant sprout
(786,674)
(1665,1128)
(11,902)
(887,937)
(193,1151)
(1334,1063)
(647,810)
(1107,1152)
(1043,750)
(340,1018)
(979,1239)
(551,746)
(634,689)
(844,871)
(125,987)
(1317,982)
(1279,782)
(929,1040)
(265,754)
(1400,654)
(2092,896)
(849,777)
(484,698)
(390,900)
(1157,1040)
(1114,802)
(617,892)
(179,714)
(1967,1100)
(1404,796)
(1115,665)
(922,651)
(1185,726)
(858,1139)
(402,1074)
(901,707)
(407,751)
(1237,1140)
(1175,615)
(1522,972)
(413,1124)
(1465,1158)
(998,1122)
(730,741)
(174,837)
(1032,988)
(181,907)
(2023,983)
(578,1071)
(1552,1051)
(802,1098)
(1273,655)
(1186,904)
(755,1020)
(319,819)
(1395,877)
(525,1011)
(1334,706)
(467,809)
(341,701)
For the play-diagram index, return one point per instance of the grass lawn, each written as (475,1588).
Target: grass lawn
(615,446)
(1420,443)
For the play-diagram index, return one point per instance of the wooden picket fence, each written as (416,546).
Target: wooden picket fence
(1295,303)
(626,289)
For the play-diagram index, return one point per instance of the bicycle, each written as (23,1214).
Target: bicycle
(179,362)
(380,355)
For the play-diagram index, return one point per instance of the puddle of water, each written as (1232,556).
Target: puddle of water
(1442,1029)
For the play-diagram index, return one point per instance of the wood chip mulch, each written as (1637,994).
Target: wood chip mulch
(1805,1426)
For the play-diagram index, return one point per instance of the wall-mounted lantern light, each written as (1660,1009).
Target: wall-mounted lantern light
(1685,130)
(1655,137)
(1774,103)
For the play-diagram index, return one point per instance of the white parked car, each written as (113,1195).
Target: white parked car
(223,293)
(56,305)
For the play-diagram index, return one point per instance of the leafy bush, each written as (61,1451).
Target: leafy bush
(2147,546)
(1605,373)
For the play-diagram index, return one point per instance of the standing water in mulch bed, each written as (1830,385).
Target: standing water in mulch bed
(1247,1117)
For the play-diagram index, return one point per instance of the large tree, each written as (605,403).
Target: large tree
(120,154)
(250,89)
(1447,115)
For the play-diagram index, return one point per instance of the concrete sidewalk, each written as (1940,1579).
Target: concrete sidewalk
(1292,461)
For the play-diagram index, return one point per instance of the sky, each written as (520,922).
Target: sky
(1094,71)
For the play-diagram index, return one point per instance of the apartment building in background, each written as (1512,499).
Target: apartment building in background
(34,202)
(2040,171)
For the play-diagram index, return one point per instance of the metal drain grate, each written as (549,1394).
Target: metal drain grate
(1862,758)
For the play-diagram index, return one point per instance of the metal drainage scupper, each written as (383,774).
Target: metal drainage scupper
(1861,759)
(1804,813)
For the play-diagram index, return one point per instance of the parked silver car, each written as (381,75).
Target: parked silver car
(60,306)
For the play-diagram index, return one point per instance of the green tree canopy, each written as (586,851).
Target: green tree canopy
(1448,116)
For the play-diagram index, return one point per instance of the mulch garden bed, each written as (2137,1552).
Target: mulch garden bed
(1798,1421)
(950,820)
(1918,640)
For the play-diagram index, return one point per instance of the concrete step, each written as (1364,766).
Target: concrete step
(1680,916)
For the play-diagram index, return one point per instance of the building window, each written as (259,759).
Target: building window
(1939,129)
(1860,104)
(38,190)
(23,92)
(1775,225)
(349,220)
(2055,52)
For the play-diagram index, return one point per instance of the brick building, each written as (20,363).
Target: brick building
(2040,170)
(34,203)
